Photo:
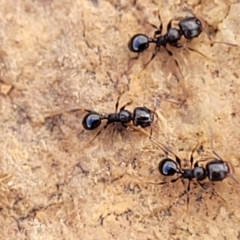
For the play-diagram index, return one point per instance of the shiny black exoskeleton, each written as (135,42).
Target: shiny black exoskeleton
(215,170)
(189,27)
(168,167)
(141,116)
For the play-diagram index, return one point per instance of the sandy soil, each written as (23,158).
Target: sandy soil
(60,55)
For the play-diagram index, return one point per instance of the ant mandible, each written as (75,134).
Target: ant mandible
(141,116)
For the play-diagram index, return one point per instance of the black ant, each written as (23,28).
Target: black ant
(189,27)
(215,170)
(141,116)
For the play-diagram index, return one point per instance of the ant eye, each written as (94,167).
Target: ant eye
(199,173)
(91,121)
(198,22)
(167,167)
(138,43)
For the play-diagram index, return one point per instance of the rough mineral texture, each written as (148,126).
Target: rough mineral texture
(69,54)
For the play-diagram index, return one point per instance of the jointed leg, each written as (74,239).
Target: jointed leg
(125,105)
(159,29)
(175,60)
(154,140)
(152,57)
(117,103)
(97,134)
(196,51)
(191,156)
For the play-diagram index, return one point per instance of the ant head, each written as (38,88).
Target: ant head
(142,117)
(91,121)
(191,27)
(217,170)
(199,173)
(138,43)
(168,167)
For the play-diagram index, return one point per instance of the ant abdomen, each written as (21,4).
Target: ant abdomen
(138,43)
(168,167)
(91,121)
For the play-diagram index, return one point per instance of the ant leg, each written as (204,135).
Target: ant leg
(211,139)
(196,51)
(159,29)
(189,182)
(213,191)
(117,103)
(186,191)
(180,104)
(97,134)
(175,155)
(160,26)
(153,139)
(59,113)
(191,156)
(202,185)
(152,57)
(219,158)
(156,183)
(175,179)
(177,45)
(125,105)
(170,22)
(175,60)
